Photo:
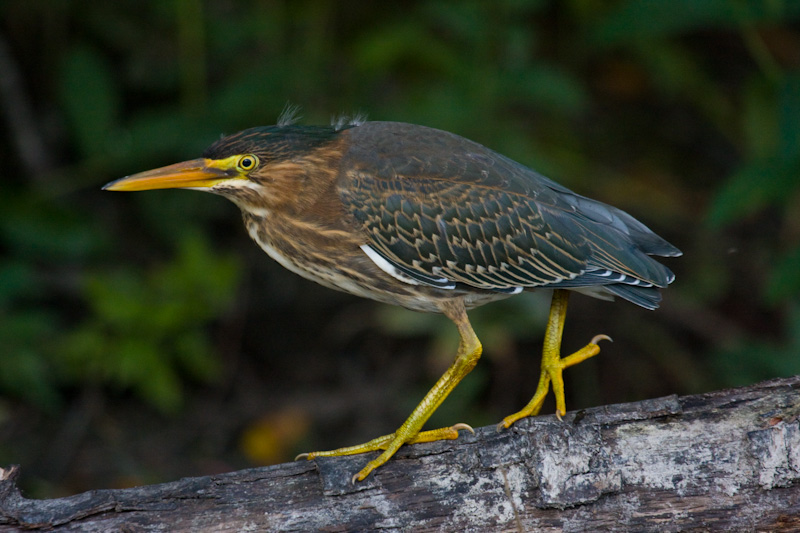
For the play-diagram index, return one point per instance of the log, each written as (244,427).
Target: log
(722,461)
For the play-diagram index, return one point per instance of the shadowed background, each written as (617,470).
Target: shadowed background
(143,337)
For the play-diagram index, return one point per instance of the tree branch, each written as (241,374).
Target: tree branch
(723,461)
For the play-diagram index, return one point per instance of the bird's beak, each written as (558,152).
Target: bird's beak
(197,173)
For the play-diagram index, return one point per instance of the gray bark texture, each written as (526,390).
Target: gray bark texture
(723,461)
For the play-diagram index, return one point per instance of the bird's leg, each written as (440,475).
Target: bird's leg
(552,362)
(469,351)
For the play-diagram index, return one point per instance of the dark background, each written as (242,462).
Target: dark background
(143,337)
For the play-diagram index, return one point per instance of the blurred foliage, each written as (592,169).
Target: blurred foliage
(658,19)
(760,360)
(136,332)
(142,331)
(684,112)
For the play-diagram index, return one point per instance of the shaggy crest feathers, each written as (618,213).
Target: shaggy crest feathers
(290,115)
(342,121)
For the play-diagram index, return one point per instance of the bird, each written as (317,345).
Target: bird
(428,220)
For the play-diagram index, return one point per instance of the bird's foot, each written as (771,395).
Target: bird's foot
(389,444)
(552,366)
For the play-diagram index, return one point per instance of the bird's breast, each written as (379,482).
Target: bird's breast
(335,259)
(312,252)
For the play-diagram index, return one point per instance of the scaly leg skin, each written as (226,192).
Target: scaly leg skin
(469,351)
(552,362)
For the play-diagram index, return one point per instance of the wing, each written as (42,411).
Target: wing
(443,210)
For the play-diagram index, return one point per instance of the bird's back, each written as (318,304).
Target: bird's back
(448,212)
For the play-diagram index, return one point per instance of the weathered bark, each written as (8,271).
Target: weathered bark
(728,460)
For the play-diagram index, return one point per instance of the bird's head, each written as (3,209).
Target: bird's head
(254,168)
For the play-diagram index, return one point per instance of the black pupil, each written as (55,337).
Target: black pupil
(247,162)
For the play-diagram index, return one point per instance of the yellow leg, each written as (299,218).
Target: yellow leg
(469,351)
(552,362)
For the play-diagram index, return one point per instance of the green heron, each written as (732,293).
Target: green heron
(422,218)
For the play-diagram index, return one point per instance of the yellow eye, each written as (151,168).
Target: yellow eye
(248,162)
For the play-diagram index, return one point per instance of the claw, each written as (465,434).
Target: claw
(597,338)
(461,425)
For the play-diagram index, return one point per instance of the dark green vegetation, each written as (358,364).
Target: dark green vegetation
(144,337)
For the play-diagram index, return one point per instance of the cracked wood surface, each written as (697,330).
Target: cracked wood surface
(723,461)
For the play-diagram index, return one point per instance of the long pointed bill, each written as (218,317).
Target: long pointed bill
(197,173)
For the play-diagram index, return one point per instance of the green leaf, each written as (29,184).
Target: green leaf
(638,20)
(46,231)
(547,87)
(405,46)
(26,371)
(143,366)
(789,112)
(755,185)
(784,280)
(753,360)
(16,279)
(760,118)
(146,332)
(90,98)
